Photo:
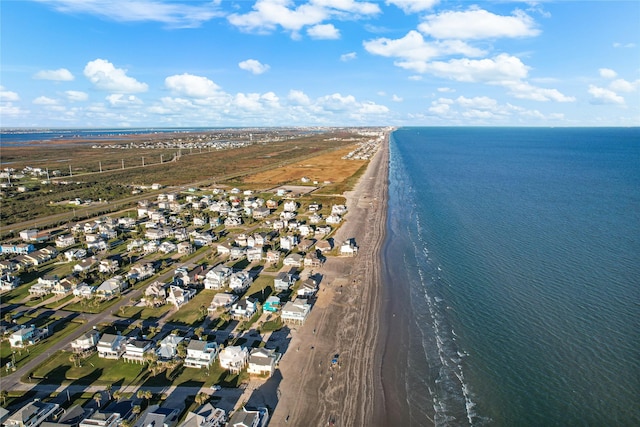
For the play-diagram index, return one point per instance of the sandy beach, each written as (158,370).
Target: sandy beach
(344,321)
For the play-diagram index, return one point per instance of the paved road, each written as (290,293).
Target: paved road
(12,381)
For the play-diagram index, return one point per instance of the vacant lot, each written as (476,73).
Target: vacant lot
(325,167)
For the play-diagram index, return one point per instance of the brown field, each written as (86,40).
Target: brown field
(325,167)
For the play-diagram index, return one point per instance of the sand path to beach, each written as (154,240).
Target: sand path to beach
(344,321)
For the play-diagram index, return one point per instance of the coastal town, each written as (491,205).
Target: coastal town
(181,310)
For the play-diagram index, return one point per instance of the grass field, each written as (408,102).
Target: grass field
(325,167)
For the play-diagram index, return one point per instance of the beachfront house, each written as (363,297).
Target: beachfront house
(263,361)
(295,311)
(250,418)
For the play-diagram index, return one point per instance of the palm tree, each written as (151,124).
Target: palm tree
(201,398)
(198,332)
(117,395)
(75,359)
(98,398)
(3,395)
(136,410)
(108,390)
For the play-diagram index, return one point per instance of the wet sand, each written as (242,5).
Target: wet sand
(345,320)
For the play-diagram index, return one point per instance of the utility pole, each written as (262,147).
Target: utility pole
(160,158)
(100,166)
(122,164)
(143,161)
(70,172)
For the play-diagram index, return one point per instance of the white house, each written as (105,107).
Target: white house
(85,342)
(254,254)
(295,311)
(111,346)
(179,296)
(169,347)
(294,260)
(27,335)
(288,242)
(244,309)
(218,277)
(234,358)
(283,281)
(31,414)
(221,299)
(290,206)
(240,281)
(136,349)
(263,361)
(65,240)
(308,288)
(110,287)
(201,354)
(348,249)
(205,416)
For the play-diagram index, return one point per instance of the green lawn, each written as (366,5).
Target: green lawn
(261,288)
(144,312)
(22,356)
(94,370)
(191,313)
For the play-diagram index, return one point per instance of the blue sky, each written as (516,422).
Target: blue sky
(138,63)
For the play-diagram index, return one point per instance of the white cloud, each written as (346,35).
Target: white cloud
(8,96)
(173,14)
(105,76)
(621,85)
(254,66)
(43,100)
(413,6)
(601,95)
(267,15)
(348,56)
(445,89)
(478,24)
(624,45)
(396,98)
(59,75)
(483,110)
(76,95)
(477,103)
(121,100)
(416,78)
(607,73)
(370,107)
(415,53)
(501,69)
(192,86)
(524,90)
(298,97)
(323,31)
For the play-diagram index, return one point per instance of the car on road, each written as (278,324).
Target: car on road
(216,387)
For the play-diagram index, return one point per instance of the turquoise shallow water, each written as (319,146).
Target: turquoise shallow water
(521,250)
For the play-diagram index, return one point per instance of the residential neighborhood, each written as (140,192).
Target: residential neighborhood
(163,292)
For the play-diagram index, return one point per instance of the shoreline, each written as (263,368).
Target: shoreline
(346,320)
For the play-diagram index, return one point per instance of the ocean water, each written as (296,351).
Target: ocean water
(520,250)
